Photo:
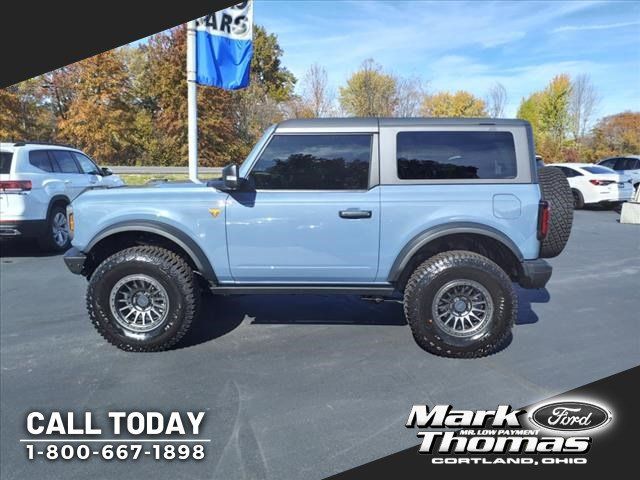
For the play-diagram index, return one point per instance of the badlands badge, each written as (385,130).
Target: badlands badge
(548,434)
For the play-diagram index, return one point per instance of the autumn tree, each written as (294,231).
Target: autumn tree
(496,100)
(11,126)
(317,96)
(458,104)
(548,112)
(100,117)
(410,92)
(616,135)
(369,92)
(582,105)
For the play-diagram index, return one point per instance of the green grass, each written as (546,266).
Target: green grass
(139,179)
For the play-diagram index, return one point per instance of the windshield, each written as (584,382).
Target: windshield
(244,168)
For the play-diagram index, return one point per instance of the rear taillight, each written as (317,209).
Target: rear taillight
(544,214)
(601,183)
(15,185)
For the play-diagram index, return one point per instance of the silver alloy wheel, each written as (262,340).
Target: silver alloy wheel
(139,303)
(462,307)
(60,229)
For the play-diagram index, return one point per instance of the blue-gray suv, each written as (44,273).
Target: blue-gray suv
(443,214)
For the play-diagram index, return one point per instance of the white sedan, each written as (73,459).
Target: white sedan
(595,184)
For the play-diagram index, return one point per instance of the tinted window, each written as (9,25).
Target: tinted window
(314,162)
(629,163)
(597,169)
(40,159)
(65,161)
(5,162)
(86,164)
(455,155)
(569,172)
(608,163)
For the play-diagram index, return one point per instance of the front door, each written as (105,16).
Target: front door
(309,214)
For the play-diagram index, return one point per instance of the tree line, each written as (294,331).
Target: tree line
(128,106)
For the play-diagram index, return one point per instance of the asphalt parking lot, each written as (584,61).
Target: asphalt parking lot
(304,386)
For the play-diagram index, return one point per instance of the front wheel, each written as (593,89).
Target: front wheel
(460,304)
(143,299)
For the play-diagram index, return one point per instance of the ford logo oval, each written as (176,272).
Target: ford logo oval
(570,416)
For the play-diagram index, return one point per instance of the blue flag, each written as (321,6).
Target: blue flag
(224,47)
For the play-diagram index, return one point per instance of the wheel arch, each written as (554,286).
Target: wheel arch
(128,233)
(57,200)
(479,238)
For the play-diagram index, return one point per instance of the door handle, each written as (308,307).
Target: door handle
(67,182)
(355,213)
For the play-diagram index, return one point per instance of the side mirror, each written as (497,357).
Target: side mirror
(230,177)
(106,171)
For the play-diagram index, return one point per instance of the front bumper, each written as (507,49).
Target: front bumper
(74,259)
(22,228)
(534,273)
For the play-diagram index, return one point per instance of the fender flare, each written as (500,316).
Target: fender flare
(431,234)
(162,229)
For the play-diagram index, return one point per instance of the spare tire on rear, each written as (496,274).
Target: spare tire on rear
(556,190)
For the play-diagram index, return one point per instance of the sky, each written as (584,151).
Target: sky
(467,45)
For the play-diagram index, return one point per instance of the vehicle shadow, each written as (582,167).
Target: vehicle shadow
(220,315)
(23,248)
(526,297)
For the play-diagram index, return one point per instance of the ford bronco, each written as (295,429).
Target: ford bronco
(441,214)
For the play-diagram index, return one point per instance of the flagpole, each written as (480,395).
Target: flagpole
(192,102)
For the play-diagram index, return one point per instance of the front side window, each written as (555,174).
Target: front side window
(86,164)
(65,161)
(455,155)
(314,162)
(629,163)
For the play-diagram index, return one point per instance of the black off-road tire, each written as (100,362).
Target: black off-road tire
(167,268)
(434,274)
(556,190)
(47,241)
(578,199)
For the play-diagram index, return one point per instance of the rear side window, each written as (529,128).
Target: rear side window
(455,155)
(570,172)
(40,159)
(5,162)
(597,169)
(314,162)
(65,161)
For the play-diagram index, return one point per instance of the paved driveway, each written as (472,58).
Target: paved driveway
(304,386)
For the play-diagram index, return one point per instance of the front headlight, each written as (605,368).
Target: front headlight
(70,221)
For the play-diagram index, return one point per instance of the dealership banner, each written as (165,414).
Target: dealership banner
(224,47)
(593,427)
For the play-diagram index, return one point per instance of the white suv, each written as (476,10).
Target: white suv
(627,165)
(37,182)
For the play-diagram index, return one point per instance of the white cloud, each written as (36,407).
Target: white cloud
(606,26)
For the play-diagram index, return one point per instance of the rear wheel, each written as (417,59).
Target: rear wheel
(143,299)
(460,304)
(56,237)
(578,200)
